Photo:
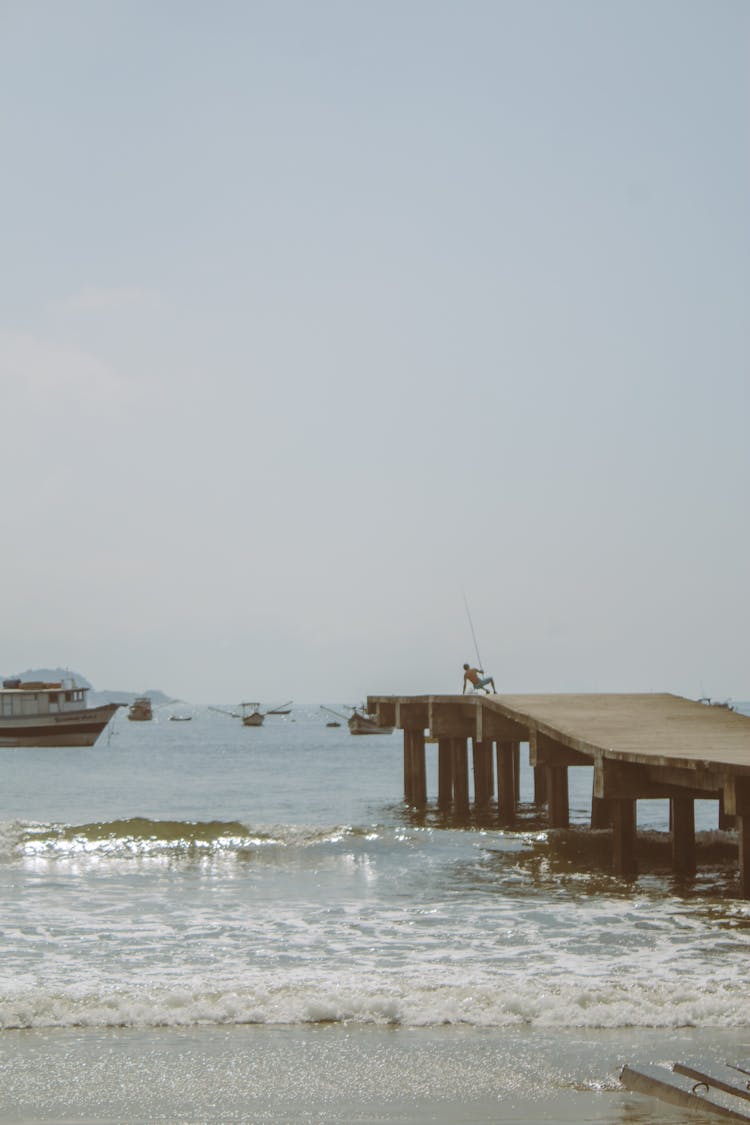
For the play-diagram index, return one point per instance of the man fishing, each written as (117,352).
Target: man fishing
(477,679)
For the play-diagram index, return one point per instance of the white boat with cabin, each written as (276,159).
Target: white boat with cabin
(37,713)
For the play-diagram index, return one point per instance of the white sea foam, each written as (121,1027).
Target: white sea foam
(182,895)
(566,1005)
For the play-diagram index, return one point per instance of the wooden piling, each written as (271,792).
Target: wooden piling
(445,773)
(683,836)
(726,822)
(420,777)
(506,782)
(481,752)
(743,842)
(623,837)
(489,765)
(460,777)
(557,796)
(517,773)
(407,768)
(540,786)
(601,814)
(415,771)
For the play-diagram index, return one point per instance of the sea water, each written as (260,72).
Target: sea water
(202,921)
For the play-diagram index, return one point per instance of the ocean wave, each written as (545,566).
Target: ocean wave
(143,837)
(537,1004)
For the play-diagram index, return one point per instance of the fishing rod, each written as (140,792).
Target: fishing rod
(471,626)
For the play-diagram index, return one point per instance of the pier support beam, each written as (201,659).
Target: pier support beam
(683,836)
(743,840)
(483,779)
(540,786)
(726,822)
(517,773)
(601,814)
(506,782)
(557,796)
(415,773)
(445,773)
(550,760)
(407,767)
(460,777)
(420,769)
(736,800)
(623,837)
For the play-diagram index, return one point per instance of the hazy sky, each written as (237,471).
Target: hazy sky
(316,315)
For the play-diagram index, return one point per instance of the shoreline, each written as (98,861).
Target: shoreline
(338,1074)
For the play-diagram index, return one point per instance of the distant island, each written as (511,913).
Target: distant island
(95,698)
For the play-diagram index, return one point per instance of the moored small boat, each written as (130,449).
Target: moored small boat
(281,708)
(140,710)
(362,723)
(37,713)
(726,704)
(253,717)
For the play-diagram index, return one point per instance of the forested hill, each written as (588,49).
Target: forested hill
(95,697)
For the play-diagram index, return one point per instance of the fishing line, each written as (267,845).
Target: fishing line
(471,626)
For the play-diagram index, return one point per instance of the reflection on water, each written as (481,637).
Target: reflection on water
(580,858)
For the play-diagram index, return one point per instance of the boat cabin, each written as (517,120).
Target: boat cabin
(35,697)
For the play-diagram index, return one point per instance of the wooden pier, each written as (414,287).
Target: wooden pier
(640,747)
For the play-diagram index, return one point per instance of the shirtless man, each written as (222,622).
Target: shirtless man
(477,679)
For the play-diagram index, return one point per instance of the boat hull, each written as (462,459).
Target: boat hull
(70,728)
(253,720)
(360,725)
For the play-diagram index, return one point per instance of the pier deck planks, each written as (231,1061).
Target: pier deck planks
(651,729)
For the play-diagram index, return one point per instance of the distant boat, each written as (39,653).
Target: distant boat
(281,708)
(359,722)
(37,713)
(362,723)
(253,717)
(180,718)
(726,704)
(140,710)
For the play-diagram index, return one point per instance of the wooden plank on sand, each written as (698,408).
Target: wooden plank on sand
(660,1083)
(730,1082)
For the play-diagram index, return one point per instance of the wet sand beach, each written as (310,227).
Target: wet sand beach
(333,1075)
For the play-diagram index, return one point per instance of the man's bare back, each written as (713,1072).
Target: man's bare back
(477,679)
